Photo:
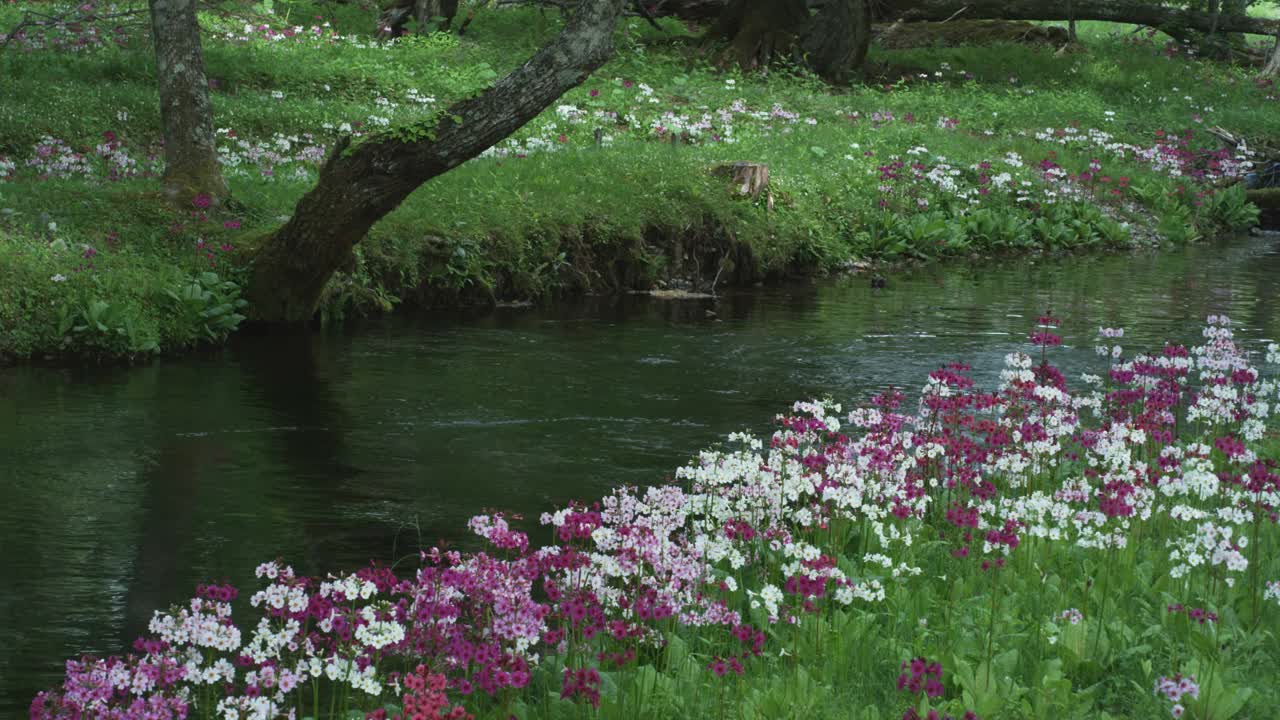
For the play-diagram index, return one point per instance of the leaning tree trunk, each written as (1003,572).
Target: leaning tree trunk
(186,117)
(364,180)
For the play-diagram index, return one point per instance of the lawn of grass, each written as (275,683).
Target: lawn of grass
(949,152)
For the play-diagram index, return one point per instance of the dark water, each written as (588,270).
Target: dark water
(122,488)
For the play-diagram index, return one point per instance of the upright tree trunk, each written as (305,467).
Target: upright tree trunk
(425,11)
(186,116)
(364,181)
(831,43)
(837,40)
(759,29)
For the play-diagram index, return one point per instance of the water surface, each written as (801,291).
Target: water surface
(122,488)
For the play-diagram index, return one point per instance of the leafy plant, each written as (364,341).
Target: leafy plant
(99,324)
(209,304)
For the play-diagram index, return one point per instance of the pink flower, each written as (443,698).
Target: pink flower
(203,200)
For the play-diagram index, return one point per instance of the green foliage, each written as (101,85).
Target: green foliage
(208,305)
(99,324)
(72,288)
(1231,210)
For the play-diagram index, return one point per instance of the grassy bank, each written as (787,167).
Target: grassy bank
(949,152)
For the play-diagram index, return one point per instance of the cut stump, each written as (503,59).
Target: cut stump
(748,180)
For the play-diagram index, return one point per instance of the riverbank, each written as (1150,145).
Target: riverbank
(951,152)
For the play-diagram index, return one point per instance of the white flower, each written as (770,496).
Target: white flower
(59,278)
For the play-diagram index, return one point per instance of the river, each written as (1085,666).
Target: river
(120,488)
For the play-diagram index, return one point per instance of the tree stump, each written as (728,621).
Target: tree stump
(1272,68)
(747,180)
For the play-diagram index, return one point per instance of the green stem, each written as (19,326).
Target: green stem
(991,626)
(1102,599)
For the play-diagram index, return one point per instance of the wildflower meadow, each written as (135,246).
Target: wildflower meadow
(1091,547)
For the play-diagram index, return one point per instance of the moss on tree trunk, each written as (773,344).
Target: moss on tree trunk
(186,115)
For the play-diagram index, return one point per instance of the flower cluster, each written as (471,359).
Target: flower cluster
(919,675)
(1174,688)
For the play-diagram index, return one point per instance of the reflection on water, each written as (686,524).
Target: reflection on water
(122,488)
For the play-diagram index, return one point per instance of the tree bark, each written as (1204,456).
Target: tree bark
(758,29)
(364,181)
(837,40)
(186,115)
(424,11)
(832,43)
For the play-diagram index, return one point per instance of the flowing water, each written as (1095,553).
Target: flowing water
(121,488)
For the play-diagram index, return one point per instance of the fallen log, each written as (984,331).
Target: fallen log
(903,35)
(1136,12)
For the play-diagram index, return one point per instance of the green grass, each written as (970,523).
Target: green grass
(586,218)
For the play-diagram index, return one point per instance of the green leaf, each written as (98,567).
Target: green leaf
(65,324)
